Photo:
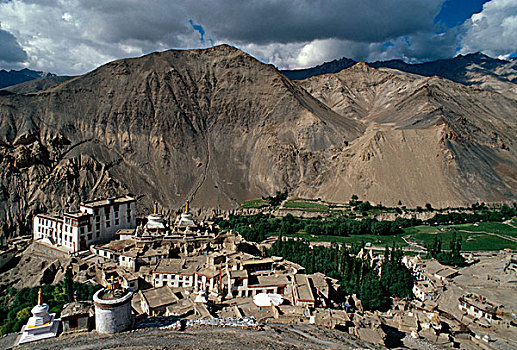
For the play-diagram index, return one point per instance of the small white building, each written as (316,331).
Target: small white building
(96,221)
(424,290)
(177,273)
(477,306)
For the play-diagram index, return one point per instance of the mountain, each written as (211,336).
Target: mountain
(35,85)
(471,70)
(427,138)
(13,77)
(215,126)
(219,127)
(325,68)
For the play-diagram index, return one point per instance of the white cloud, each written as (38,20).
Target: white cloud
(75,36)
(72,37)
(493,31)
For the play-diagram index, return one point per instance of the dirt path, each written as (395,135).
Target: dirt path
(509,238)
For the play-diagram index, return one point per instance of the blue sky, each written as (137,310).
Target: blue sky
(76,36)
(455,12)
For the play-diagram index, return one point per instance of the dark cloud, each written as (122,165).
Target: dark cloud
(264,22)
(11,53)
(74,36)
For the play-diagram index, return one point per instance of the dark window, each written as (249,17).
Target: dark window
(107,224)
(72,323)
(117,221)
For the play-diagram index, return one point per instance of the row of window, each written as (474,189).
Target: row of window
(107,210)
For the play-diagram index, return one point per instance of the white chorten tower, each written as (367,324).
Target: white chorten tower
(155,221)
(41,325)
(186,220)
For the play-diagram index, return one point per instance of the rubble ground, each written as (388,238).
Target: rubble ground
(272,337)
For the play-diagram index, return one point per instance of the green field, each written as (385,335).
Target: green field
(375,240)
(475,238)
(255,203)
(485,236)
(305,206)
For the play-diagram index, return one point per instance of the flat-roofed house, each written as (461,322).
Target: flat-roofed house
(154,302)
(302,291)
(77,316)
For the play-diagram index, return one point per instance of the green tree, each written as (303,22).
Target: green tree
(24,314)
(372,294)
(68,285)
(364,206)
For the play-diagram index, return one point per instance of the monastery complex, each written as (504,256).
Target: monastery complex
(184,269)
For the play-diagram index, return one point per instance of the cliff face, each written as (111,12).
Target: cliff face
(212,125)
(218,127)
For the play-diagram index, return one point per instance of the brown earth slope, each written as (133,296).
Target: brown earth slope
(427,139)
(218,127)
(212,125)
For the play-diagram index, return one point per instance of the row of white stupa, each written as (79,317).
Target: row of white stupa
(156,222)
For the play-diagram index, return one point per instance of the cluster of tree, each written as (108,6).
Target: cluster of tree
(361,206)
(343,226)
(452,257)
(504,213)
(373,286)
(257,227)
(15,305)
(277,199)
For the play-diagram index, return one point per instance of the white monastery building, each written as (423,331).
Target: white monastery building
(96,221)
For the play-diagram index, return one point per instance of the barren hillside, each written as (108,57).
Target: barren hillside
(212,125)
(427,139)
(218,127)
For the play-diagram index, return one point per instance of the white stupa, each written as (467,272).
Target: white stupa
(41,325)
(201,297)
(155,221)
(186,220)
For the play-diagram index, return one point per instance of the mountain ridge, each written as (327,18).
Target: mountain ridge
(208,125)
(14,77)
(218,127)
(474,69)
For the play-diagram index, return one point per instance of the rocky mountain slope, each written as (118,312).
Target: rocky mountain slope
(35,85)
(427,139)
(472,70)
(13,77)
(214,125)
(218,127)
